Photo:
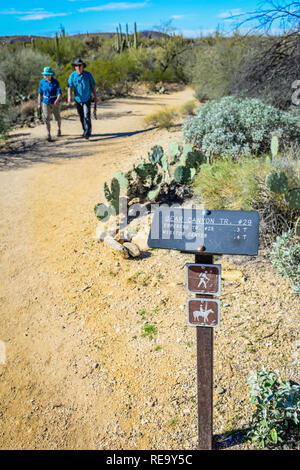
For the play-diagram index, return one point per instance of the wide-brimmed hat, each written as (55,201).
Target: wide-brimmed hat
(79,62)
(47,71)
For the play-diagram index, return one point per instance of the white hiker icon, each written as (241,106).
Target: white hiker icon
(203,279)
(202,313)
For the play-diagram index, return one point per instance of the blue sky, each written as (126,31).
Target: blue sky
(190,17)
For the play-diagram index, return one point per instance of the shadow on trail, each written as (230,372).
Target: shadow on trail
(26,152)
(118,135)
(230,439)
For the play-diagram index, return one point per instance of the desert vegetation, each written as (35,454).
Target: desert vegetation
(241,147)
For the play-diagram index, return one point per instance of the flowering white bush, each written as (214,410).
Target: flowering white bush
(235,127)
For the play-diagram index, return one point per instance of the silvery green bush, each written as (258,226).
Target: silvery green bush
(236,127)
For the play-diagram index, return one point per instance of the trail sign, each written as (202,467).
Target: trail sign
(203,278)
(212,232)
(204,233)
(203,312)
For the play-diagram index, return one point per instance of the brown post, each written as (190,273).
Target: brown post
(205,375)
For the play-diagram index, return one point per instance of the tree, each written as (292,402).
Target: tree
(278,13)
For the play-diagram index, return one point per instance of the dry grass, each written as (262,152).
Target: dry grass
(163,118)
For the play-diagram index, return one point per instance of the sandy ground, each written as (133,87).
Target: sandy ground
(78,372)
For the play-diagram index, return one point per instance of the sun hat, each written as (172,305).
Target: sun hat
(78,62)
(47,71)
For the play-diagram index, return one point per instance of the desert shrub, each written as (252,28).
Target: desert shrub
(276,417)
(215,62)
(28,108)
(234,127)
(21,72)
(289,165)
(241,185)
(62,50)
(188,108)
(285,256)
(163,118)
(4,126)
(269,70)
(231,185)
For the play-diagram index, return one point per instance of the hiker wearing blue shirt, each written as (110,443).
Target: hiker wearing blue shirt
(84,87)
(49,98)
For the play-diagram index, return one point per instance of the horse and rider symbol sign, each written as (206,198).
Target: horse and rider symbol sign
(203,312)
(203,279)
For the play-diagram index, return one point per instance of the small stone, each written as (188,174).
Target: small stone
(132,248)
(116,246)
(141,240)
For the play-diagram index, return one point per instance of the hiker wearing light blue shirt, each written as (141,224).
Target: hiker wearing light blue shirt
(49,98)
(84,87)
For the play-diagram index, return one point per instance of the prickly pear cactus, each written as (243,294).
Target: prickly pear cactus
(113,194)
(182,174)
(186,148)
(274,146)
(174,149)
(145,170)
(156,155)
(154,193)
(292,197)
(277,182)
(297,227)
(122,179)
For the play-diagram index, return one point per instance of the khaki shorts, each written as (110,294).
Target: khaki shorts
(48,109)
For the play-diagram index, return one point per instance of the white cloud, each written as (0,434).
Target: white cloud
(177,17)
(40,16)
(115,6)
(32,15)
(233,12)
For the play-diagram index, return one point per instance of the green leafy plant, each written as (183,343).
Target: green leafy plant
(233,127)
(277,411)
(285,256)
(149,331)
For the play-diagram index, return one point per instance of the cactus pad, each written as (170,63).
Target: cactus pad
(174,149)
(277,182)
(182,174)
(123,181)
(292,197)
(297,227)
(274,146)
(156,155)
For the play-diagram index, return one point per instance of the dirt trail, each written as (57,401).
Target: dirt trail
(78,373)
(48,294)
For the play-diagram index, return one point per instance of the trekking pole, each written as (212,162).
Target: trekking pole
(95,110)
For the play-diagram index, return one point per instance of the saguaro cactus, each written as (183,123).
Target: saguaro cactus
(135,40)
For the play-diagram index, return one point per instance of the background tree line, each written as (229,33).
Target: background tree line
(251,65)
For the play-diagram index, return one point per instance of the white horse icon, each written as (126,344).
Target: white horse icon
(202,313)
(203,279)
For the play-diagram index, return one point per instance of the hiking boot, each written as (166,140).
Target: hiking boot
(59,133)
(49,138)
(87,137)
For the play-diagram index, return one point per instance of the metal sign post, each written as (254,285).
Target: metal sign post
(204,342)
(204,233)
